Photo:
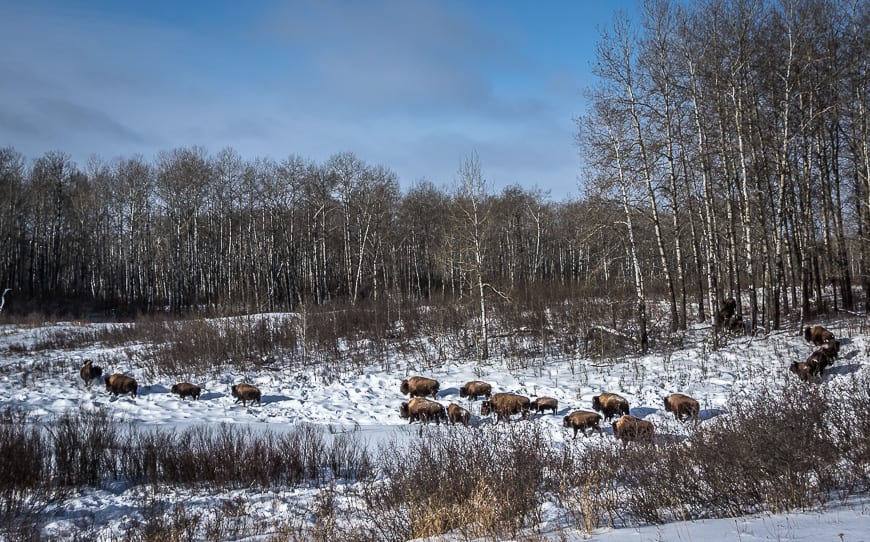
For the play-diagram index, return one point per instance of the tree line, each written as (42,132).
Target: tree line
(725,155)
(738,129)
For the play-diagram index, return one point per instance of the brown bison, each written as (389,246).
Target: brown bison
(420,408)
(804,370)
(419,386)
(544,403)
(90,372)
(682,406)
(735,324)
(456,413)
(475,389)
(117,384)
(581,420)
(832,348)
(504,405)
(628,428)
(820,360)
(185,389)
(726,311)
(610,404)
(818,335)
(245,393)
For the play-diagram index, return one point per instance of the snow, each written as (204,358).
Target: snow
(46,383)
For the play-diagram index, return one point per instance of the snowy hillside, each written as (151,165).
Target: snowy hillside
(46,384)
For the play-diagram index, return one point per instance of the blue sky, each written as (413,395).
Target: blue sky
(414,85)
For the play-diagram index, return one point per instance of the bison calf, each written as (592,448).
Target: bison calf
(610,404)
(117,384)
(90,372)
(504,405)
(185,389)
(456,413)
(419,386)
(682,406)
(818,335)
(541,404)
(580,420)
(420,408)
(475,389)
(245,393)
(628,428)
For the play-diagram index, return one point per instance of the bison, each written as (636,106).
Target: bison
(186,389)
(726,311)
(456,413)
(803,369)
(420,408)
(818,335)
(832,348)
(475,389)
(682,406)
(628,428)
(117,384)
(504,405)
(541,404)
(610,404)
(245,393)
(819,360)
(90,372)
(581,420)
(419,386)
(735,324)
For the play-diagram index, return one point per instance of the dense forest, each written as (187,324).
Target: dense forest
(724,154)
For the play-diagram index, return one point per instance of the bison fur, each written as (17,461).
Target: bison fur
(246,392)
(804,370)
(186,389)
(541,404)
(610,404)
(420,408)
(818,335)
(581,420)
(90,372)
(726,311)
(419,386)
(682,406)
(117,384)
(820,360)
(832,348)
(475,389)
(504,405)
(628,428)
(456,413)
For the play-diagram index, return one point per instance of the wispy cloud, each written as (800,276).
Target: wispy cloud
(414,85)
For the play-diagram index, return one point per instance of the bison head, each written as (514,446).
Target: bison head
(596,403)
(404,388)
(486,408)
(404,411)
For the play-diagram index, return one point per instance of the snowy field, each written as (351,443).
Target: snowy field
(368,403)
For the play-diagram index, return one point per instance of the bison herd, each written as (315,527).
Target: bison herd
(504,405)
(119,384)
(822,357)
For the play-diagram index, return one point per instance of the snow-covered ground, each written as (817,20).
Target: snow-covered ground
(367,402)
